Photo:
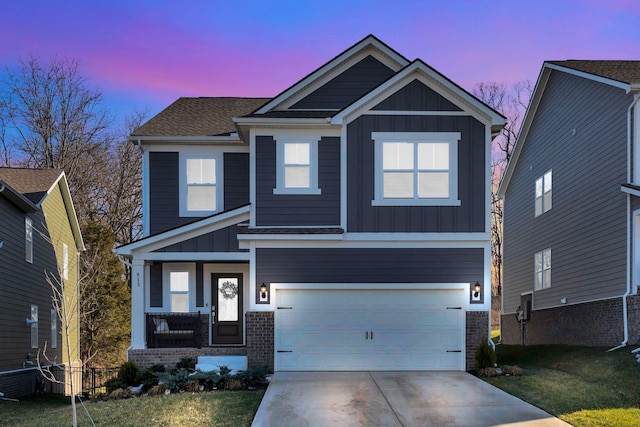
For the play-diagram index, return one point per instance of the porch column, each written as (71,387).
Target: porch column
(137,304)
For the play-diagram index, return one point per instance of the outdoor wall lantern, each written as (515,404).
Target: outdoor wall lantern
(476,293)
(263,293)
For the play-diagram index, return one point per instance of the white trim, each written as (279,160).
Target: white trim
(281,139)
(625,86)
(188,231)
(367,238)
(420,71)
(252,177)
(451,138)
(343,178)
(415,113)
(184,157)
(367,46)
(204,140)
(190,256)
(145,191)
(362,244)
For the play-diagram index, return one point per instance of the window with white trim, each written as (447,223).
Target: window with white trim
(416,168)
(54,329)
(179,291)
(542,267)
(543,193)
(199,193)
(34,326)
(296,166)
(65,261)
(28,237)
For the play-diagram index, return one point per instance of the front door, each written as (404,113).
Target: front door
(226,309)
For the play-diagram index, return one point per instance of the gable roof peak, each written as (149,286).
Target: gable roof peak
(623,71)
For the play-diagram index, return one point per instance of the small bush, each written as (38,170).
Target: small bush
(254,376)
(514,370)
(485,356)
(129,373)
(233,384)
(113,384)
(157,390)
(176,381)
(148,377)
(119,394)
(186,363)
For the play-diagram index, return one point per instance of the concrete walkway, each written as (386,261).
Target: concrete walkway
(391,399)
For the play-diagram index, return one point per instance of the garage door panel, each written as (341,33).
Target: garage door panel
(369,330)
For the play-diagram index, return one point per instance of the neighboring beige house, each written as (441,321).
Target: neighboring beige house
(40,235)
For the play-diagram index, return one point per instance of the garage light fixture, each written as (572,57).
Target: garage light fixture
(263,292)
(476,293)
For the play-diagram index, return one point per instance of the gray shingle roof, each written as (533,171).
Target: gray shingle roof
(32,183)
(199,117)
(622,71)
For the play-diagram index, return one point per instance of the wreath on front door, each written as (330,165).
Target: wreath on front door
(228,289)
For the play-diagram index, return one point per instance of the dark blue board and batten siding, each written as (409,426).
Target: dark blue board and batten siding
(468,217)
(164,188)
(586,226)
(350,85)
(298,210)
(369,265)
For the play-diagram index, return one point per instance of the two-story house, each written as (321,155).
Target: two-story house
(40,241)
(572,209)
(342,225)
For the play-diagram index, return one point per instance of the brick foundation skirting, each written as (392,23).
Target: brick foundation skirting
(260,338)
(144,358)
(477,328)
(597,324)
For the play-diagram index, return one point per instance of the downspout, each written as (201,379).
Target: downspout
(630,157)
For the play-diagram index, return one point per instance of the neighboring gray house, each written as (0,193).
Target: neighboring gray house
(39,234)
(342,225)
(572,209)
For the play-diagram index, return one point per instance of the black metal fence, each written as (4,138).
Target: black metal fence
(93,380)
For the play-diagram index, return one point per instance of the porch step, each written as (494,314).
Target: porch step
(213,363)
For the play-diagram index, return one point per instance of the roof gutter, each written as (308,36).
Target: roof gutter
(625,321)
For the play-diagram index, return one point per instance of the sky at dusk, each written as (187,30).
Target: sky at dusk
(145,54)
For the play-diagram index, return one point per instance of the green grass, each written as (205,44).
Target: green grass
(217,409)
(584,386)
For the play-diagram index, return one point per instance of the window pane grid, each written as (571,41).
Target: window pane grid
(542,266)
(297,165)
(428,164)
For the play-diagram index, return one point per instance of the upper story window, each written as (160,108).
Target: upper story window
(542,266)
(543,193)
(296,166)
(54,329)
(416,168)
(199,180)
(28,237)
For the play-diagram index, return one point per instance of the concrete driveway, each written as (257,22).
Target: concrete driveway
(392,399)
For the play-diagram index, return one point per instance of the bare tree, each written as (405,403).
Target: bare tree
(512,103)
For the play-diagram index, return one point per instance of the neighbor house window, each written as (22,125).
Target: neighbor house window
(543,193)
(199,186)
(542,263)
(28,237)
(296,166)
(179,291)
(34,326)
(414,169)
(65,261)
(54,328)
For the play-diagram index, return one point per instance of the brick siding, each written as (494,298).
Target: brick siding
(260,338)
(144,358)
(477,327)
(597,323)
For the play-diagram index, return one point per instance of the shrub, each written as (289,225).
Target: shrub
(157,390)
(485,356)
(148,377)
(129,373)
(176,381)
(254,376)
(186,363)
(233,384)
(113,384)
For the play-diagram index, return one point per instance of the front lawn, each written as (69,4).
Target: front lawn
(584,386)
(217,409)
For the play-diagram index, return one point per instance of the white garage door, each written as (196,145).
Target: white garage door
(341,330)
